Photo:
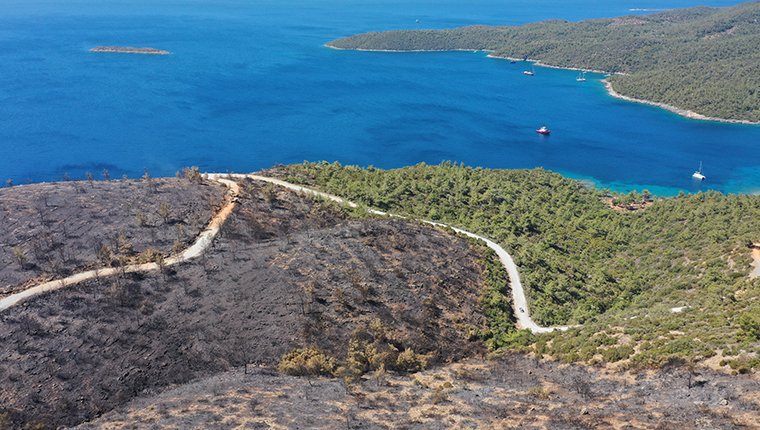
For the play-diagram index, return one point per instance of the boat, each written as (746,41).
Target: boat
(530,72)
(581,77)
(544,131)
(698,175)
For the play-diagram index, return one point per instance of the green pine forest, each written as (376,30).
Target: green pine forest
(618,273)
(701,59)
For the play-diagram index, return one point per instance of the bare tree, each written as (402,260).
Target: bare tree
(691,372)
(105,256)
(192,174)
(180,230)
(165,211)
(20,255)
(177,247)
(142,219)
(149,182)
(123,245)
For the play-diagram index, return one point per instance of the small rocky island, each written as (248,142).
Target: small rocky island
(129,50)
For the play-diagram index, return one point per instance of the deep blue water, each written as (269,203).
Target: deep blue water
(250,85)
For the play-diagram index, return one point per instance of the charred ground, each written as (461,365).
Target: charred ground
(196,345)
(512,391)
(286,272)
(49,231)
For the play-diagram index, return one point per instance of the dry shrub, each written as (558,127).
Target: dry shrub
(538,392)
(150,255)
(307,362)
(440,395)
(409,361)
(192,174)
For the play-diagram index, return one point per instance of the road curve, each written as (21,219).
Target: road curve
(522,312)
(206,237)
(201,244)
(756,257)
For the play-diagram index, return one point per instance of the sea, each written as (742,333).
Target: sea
(250,84)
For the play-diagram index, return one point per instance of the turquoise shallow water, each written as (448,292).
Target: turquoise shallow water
(250,85)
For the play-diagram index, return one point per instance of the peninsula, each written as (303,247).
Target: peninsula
(701,61)
(129,50)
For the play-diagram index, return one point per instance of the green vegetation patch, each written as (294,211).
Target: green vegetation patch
(700,59)
(670,280)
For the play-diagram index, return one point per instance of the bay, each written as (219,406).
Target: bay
(250,84)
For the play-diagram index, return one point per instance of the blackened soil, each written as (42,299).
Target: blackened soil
(285,272)
(53,230)
(509,392)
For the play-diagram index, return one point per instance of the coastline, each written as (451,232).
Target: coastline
(607,84)
(550,66)
(679,111)
(403,50)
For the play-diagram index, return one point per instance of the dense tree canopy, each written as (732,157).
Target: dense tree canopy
(584,263)
(701,59)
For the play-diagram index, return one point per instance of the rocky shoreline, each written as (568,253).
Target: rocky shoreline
(129,50)
(680,111)
(608,85)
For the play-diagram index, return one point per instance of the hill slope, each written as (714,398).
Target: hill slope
(701,59)
(618,274)
(286,272)
(512,391)
(49,231)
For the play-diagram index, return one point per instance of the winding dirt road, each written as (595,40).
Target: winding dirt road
(201,244)
(206,238)
(756,257)
(522,312)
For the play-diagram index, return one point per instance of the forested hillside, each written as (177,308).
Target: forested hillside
(618,274)
(701,59)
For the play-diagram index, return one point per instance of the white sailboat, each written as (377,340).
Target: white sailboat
(530,72)
(581,77)
(698,175)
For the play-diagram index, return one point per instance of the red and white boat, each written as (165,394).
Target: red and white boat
(543,130)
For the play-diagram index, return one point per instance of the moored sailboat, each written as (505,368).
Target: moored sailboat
(698,175)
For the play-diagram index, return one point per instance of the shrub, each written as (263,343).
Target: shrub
(614,354)
(364,356)
(744,364)
(20,255)
(538,392)
(307,362)
(150,255)
(409,361)
(105,255)
(439,396)
(192,174)
(165,211)
(750,325)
